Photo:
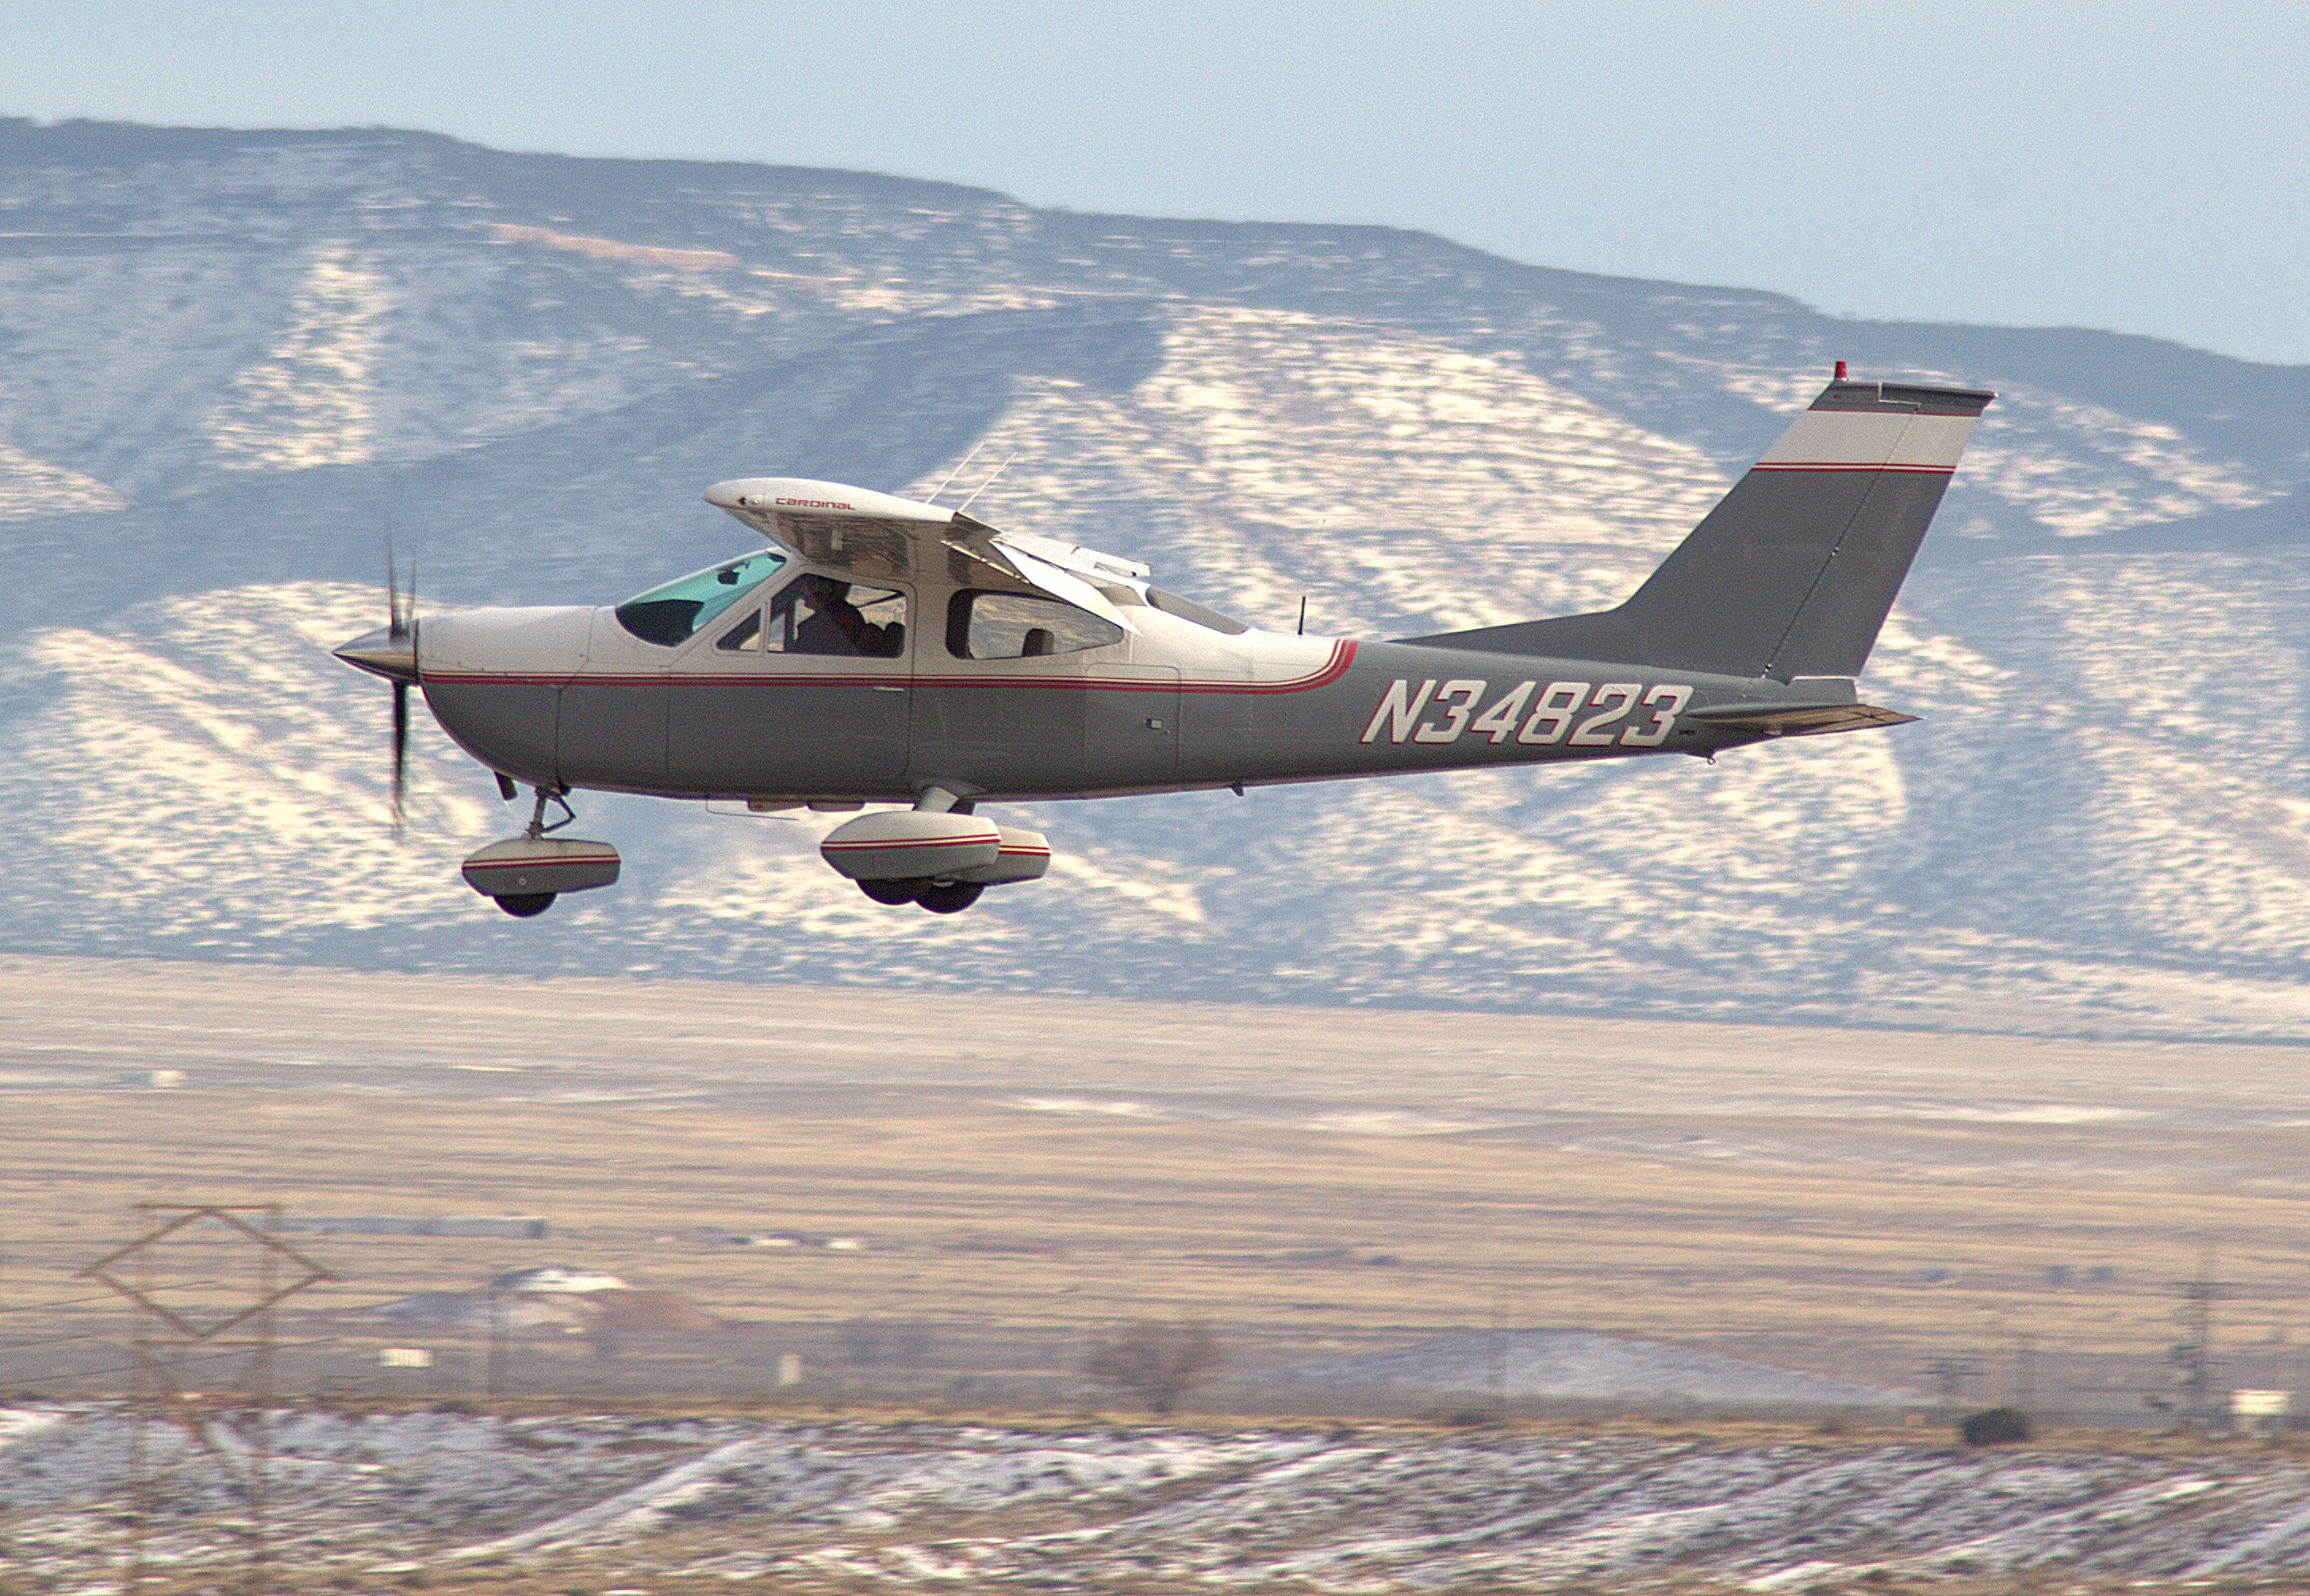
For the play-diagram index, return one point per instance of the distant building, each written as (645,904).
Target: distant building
(559,1279)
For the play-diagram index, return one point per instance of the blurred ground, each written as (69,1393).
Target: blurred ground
(948,1196)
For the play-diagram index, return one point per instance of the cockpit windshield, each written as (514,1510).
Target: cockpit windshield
(672,614)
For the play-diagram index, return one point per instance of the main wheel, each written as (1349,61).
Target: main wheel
(904,891)
(521,906)
(951,898)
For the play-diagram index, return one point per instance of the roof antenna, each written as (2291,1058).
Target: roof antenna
(1840,371)
(957,471)
(989,482)
(1303,614)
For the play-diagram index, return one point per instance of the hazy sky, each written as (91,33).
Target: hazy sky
(2120,165)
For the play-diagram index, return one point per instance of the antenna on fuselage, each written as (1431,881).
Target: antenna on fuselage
(1303,614)
(957,471)
(989,482)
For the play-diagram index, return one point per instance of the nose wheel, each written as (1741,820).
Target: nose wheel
(529,906)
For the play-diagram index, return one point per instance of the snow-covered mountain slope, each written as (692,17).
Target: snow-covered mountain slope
(232,364)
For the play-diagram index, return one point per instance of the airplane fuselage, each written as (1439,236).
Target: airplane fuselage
(567,698)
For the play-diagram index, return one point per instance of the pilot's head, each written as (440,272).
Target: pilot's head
(824,591)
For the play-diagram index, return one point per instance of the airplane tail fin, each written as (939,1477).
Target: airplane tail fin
(1792,572)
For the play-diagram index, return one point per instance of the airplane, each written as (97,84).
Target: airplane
(878,650)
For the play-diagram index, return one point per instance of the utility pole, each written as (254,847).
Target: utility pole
(493,1371)
(1496,1347)
(2024,1382)
(1950,1375)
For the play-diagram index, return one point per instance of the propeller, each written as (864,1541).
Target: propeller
(391,652)
(400,630)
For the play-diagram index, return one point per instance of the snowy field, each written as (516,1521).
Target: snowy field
(603,1503)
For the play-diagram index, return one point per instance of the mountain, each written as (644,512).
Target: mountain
(232,364)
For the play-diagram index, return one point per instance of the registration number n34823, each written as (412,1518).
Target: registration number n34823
(1577,714)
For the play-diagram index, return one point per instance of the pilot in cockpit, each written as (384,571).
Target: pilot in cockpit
(836,626)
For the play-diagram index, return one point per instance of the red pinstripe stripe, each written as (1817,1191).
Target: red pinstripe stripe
(1931,471)
(1342,655)
(904,842)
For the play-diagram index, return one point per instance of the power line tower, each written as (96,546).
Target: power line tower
(2193,1355)
(190,1309)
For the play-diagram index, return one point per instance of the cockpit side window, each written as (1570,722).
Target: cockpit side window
(825,615)
(672,614)
(987,625)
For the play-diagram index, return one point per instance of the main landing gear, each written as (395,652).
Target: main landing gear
(940,897)
(938,855)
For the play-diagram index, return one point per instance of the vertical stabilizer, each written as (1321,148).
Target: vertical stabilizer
(1792,572)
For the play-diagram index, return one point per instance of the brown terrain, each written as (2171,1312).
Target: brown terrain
(988,1184)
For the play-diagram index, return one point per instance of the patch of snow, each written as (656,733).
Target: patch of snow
(311,400)
(30,487)
(1581,1365)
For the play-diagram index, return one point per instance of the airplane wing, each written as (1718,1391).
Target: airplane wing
(879,537)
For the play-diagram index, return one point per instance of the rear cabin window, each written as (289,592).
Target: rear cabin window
(672,614)
(985,625)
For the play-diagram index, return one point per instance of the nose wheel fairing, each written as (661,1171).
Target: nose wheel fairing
(534,866)
(523,875)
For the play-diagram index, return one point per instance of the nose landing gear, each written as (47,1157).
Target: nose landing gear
(523,875)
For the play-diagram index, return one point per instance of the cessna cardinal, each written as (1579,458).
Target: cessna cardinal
(879,650)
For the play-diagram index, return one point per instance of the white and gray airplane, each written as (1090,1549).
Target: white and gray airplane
(881,650)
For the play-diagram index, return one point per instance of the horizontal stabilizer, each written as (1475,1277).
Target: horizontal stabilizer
(1795,720)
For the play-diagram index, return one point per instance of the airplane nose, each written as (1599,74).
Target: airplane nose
(385,652)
